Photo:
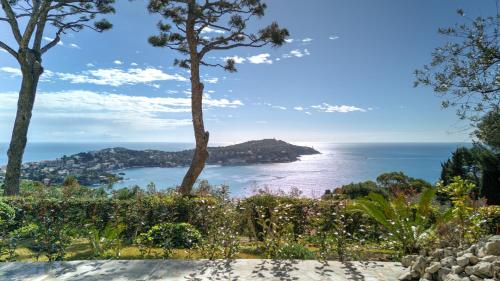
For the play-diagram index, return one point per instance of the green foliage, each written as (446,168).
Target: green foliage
(70,189)
(361,189)
(277,229)
(488,129)
(336,229)
(105,242)
(478,165)
(398,182)
(53,231)
(169,236)
(7,216)
(490,219)
(237,15)
(220,225)
(462,163)
(465,70)
(463,219)
(294,251)
(298,211)
(210,225)
(405,221)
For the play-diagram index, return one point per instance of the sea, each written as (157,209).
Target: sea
(337,164)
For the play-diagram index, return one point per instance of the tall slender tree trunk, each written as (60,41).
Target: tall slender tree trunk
(201,136)
(31,70)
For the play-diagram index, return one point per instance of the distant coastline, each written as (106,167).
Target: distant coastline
(103,166)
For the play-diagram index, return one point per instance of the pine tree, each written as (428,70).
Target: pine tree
(36,15)
(186,21)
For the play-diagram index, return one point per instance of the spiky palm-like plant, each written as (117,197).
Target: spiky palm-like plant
(405,221)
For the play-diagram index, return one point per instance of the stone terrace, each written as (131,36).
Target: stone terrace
(118,270)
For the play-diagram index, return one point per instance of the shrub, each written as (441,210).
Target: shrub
(7,215)
(461,224)
(221,235)
(335,229)
(52,232)
(169,236)
(181,235)
(398,182)
(356,190)
(294,251)
(141,213)
(276,228)
(263,204)
(490,219)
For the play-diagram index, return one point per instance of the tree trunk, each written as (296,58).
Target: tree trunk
(201,136)
(31,70)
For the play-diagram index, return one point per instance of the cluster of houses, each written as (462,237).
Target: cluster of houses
(100,167)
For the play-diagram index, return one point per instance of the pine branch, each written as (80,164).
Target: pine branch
(8,49)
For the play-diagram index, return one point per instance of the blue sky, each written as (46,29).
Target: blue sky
(346,76)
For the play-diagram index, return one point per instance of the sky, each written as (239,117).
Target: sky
(345,75)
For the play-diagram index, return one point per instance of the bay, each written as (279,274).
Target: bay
(338,164)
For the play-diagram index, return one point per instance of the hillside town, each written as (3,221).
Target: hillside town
(103,166)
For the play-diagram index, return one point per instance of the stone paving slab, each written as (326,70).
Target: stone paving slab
(145,270)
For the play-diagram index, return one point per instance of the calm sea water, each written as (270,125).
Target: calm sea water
(338,164)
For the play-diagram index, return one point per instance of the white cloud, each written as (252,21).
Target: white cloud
(308,113)
(289,40)
(299,108)
(75,46)
(307,40)
(261,58)
(222,103)
(279,107)
(47,75)
(325,107)
(154,112)
(3,50)
(236,59)
(212,30)
(333,37)
(172,92)
(103,108)
(118,62)
(134,64)
(14,72)
(117,77)
(212,80)
(296,53)
(90,64)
